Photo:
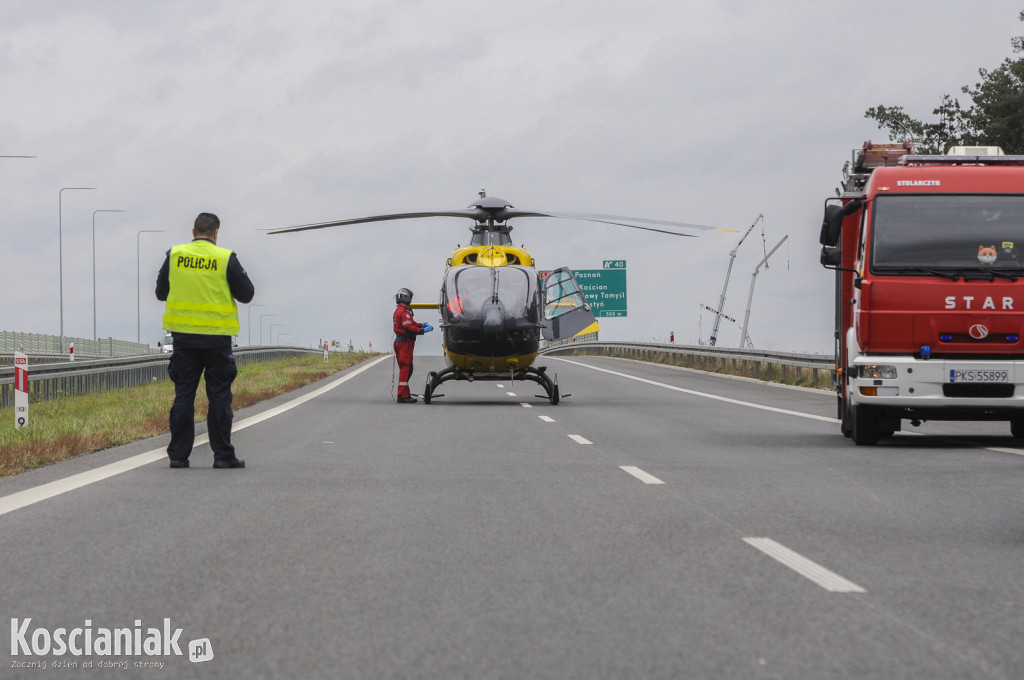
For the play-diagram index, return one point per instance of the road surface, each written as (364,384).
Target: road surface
(658,523)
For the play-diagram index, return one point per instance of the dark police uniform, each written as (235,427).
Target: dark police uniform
(200,283)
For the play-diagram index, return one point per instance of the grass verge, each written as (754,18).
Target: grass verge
(63,428)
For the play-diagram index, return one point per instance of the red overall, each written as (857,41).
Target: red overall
(406,330)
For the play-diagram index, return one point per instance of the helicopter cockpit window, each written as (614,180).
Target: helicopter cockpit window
(491,237)
(562,293)
(468,289)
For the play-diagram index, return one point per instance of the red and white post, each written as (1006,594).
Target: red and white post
(326,350)
(20,390)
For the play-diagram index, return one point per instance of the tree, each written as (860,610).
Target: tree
(995,117)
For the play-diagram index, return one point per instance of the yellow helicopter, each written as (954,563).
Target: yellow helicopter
(495,305)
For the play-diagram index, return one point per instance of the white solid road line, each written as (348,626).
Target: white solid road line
(42,492)
(828,580)
(644,477)
(704,394)
(997,449)
(579,440)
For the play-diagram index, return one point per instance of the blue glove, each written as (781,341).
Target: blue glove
(427,328)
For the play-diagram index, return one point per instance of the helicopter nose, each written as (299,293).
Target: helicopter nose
(494,319)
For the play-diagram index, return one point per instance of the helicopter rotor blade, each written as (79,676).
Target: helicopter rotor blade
(472,214)
(620,224)
(629,221)
(490,210)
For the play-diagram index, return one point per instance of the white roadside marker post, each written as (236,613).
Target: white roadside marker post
(20,390)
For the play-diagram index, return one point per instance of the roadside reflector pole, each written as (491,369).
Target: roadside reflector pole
(20,390)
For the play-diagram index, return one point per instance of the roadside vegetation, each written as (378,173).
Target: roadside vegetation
(63,428)
(784,375)
(993,114)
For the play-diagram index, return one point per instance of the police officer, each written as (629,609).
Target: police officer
(406,330)
(200,282)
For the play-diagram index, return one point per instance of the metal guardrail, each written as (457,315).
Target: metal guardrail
(814,369)
(68,378)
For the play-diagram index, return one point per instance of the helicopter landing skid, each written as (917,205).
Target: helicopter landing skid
(540,376)
(537,375)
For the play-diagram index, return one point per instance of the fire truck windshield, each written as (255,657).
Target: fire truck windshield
(921,232)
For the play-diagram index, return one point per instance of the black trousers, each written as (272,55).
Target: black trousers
(187,365)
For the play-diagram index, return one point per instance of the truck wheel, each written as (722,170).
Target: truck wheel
(846,424)
(866,430)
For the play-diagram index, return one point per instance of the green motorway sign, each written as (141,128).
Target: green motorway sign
(605,288)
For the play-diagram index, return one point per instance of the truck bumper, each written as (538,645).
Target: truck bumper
(946,389)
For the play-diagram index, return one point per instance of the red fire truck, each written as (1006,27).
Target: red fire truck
(929,259)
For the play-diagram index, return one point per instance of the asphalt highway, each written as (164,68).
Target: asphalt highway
(658,523)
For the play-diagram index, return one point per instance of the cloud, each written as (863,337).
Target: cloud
(272,114)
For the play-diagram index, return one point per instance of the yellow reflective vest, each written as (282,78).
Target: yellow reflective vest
(200,299)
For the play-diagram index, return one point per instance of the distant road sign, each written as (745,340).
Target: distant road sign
(605,289)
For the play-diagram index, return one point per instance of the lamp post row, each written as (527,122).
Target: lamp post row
(138,266)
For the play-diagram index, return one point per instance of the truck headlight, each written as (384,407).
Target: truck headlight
(878,371)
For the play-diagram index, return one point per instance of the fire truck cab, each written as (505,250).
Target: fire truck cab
(929,310)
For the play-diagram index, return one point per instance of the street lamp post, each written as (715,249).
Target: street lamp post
(270,330)
(249,323)
(138,278)
(94,267)
(60,251)
(262,317)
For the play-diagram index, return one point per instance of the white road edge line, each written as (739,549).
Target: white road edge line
(704,394)
(997,449)
(579,440)
(21,499)
(828,580)
(644,477)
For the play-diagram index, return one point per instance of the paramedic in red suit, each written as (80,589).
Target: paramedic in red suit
(406,330)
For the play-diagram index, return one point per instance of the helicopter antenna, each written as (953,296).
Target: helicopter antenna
(483,193)
(725,285)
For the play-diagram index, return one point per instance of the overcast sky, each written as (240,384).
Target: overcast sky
(273,114)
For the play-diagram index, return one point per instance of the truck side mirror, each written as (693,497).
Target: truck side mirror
(831,226)
(831,256)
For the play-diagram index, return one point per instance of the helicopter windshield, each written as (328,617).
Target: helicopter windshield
(471,288)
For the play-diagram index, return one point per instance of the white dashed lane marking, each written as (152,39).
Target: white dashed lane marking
(828,580)
(580,440)
(644,477)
